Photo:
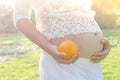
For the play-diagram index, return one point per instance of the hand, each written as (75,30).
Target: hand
(59,56)
(98,56)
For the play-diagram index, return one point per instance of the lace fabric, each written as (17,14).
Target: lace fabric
(58,19)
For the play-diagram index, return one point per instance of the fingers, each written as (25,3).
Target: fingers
(96,61)
(74,58)
(100,54)
(97,57)
(70,61)
(78,54)
(105,42)
(61,55)
(106,46)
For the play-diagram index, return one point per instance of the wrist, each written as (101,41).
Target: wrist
(50,48)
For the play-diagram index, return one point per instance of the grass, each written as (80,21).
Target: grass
(113,35)
(15,44)
(111,65)
(21,68)
(25,67)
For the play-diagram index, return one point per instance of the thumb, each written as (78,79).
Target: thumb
(78,54)
(106,46)
(105,42)
(61,54)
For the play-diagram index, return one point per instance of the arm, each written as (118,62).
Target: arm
(29,30)
(21,17)
(98,56)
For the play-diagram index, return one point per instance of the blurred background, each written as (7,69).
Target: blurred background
(17,61)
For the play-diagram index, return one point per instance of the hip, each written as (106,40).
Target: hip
(83,67)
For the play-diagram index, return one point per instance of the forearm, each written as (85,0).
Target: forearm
(29,30)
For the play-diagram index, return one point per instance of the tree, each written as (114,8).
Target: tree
(108,6)
(6,22)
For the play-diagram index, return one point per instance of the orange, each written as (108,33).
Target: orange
(69,47)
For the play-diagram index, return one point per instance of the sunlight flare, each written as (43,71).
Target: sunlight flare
(7,2)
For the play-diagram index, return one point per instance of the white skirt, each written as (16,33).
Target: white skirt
(82,69)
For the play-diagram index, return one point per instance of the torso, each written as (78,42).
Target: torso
(59,20)
(88,43)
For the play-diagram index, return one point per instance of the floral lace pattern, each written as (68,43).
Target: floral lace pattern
(58,19)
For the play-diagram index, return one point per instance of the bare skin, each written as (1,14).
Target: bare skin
(88,43)
(91,45)
(94,50)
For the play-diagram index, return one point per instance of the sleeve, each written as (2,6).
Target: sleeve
(22,9)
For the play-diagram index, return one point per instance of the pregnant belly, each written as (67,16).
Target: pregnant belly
(88,43)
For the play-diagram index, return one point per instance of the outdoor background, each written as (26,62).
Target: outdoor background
(19,57)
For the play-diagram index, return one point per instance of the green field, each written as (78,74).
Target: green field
(22,66)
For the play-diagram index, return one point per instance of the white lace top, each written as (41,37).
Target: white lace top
(57,18)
